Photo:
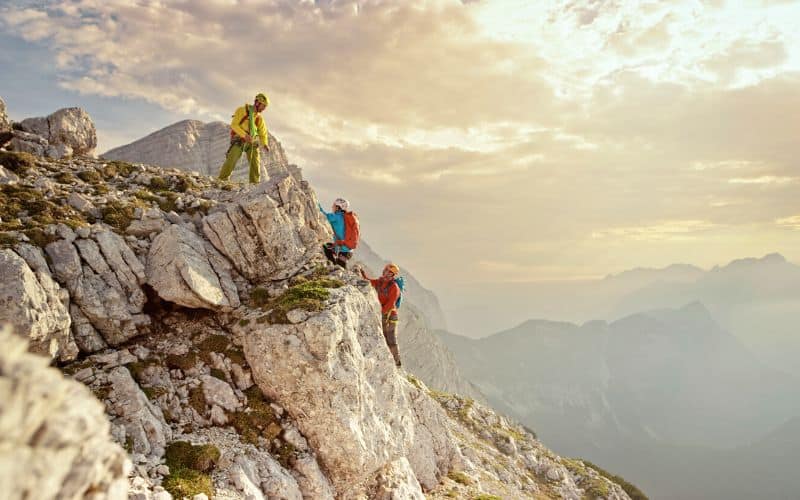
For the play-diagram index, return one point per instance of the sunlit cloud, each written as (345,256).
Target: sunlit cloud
(792,222)
(668,230)
(764,179)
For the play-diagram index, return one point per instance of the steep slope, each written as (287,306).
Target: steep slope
(231,359)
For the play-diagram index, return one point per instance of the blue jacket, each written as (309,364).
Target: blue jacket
(336,220)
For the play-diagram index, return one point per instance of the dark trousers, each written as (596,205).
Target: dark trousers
(338,258)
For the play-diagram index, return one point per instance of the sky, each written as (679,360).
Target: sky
(479,142)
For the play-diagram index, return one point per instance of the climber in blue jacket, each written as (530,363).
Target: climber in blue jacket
(345,232)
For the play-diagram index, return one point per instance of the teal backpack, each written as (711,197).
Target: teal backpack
(401,283)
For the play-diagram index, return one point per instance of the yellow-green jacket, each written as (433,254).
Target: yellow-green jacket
(241,123)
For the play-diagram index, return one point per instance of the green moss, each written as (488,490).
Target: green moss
(414,381)
(167,203)
(309,296)
(39,237)
(65,178)
(460,478)
(90,176)
(158,184)
(19,163)
(8,240)
(285,453)
(259,297)
(197,400)
(188,483)
(118,215)
(145,195)
(115,169)
(257,420)
(244,322)
(484,496)
(182,361)
(215,372)
(129,444)
(183,184)
(215,343)
(236,355)
(183,455)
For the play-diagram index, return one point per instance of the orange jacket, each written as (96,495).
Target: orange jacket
(388,293)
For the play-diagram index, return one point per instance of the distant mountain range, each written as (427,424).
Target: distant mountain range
(755,299)
(649,382)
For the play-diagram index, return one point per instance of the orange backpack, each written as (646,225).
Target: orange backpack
(351,230)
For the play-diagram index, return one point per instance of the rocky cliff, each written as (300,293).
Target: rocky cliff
(232,361)
(194,146)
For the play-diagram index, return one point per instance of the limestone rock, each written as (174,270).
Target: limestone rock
(70,130)
(362,420)
(5,123)
(397,482)
(270,231)
(54,436)
(103,276)
(144,422)
(218,392)
(31,302)
(186,270)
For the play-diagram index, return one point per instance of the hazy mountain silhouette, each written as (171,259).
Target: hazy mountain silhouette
(646,383)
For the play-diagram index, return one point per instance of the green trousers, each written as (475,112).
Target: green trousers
(234,152)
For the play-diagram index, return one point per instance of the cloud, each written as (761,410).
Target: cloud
(667,230)
(792,222)
(534,134)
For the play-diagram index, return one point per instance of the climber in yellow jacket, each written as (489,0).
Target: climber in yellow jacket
(247,131)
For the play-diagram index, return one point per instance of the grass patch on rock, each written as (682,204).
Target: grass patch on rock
(184,455)
(182,361)
(90,176)
(19,163)
(257,420)
(118,215)
(460,478)
(308,296)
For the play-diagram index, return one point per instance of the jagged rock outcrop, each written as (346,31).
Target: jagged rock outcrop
(64,133)
(32,302)
(54,437)
(270,231)
(104,278)
(339,349)
(192,145)
(185,269)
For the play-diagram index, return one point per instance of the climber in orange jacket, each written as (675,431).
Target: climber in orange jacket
(389,292)
(247,131)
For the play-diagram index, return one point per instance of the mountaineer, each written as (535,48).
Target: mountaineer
(390,288)
(345,232)
(247,127)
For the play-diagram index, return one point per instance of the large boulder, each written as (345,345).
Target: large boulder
(185,269)
(32,302)
(54,435)
(68,132)
(333,373)
(270,231)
